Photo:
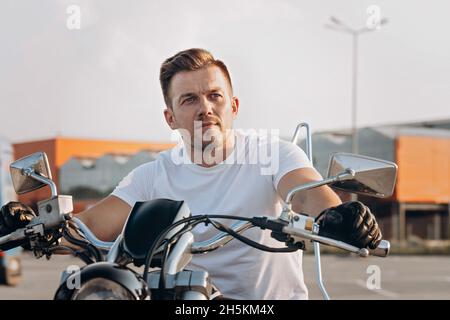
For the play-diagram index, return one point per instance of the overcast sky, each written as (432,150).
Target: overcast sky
(101,81)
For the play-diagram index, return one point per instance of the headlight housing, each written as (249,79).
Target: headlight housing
(102,289)
(103,281)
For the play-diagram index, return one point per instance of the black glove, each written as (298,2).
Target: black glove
(14,215)
(351,222)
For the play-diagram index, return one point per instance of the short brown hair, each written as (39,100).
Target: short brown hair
(187,60)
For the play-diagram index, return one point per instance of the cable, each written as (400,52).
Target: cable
(197,219)
(172,240)
(77,253)
(162,275)
(221,227)
(156,244)
(83,244)
(78,231)
(66,248)
(162,235)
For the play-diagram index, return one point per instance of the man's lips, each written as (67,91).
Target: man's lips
(209,124)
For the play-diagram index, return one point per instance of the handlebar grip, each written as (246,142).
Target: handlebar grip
(382,250)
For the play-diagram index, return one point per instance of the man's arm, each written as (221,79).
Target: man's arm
(105,219)
(311,202)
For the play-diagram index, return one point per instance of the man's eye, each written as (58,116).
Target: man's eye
(189,100)
(216,95)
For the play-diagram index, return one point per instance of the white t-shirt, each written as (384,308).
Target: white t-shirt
(243,185)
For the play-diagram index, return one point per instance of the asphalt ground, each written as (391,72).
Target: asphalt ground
(345,277)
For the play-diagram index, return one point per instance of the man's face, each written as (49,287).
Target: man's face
(202,103)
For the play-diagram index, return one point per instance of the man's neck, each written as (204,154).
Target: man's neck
(212,155)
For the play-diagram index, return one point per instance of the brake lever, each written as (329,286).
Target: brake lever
(22,233)
(304,227)
(18,234)
(298,233)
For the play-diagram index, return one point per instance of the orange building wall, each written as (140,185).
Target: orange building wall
(423,169)
(60,150)
(68,147)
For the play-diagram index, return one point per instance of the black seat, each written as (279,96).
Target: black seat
(145,223)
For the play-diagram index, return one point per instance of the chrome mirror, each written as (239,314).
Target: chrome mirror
(372,176)
(30,173)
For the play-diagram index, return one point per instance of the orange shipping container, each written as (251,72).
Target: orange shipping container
(423,169)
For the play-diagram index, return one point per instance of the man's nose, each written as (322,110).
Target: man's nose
(205,107)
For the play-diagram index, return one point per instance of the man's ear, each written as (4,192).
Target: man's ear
(170,118)
(234,106)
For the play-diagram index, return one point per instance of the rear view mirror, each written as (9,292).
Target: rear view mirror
(37,163)
(372,176)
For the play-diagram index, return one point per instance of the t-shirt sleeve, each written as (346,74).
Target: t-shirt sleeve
(137,185)
(291,157)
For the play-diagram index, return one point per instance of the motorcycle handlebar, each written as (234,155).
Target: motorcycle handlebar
(33,228)
(89,235)
(381,251)
(19,234)
(222,238)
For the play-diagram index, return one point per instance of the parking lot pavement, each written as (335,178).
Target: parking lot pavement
(40,277)
(345,277)
(400,277)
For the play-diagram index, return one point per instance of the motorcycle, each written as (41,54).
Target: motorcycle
(157,234)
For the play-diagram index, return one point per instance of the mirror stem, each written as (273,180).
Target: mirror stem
(287,207)
(30,173)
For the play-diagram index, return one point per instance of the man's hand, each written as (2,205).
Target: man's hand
(351,222)
(14,215)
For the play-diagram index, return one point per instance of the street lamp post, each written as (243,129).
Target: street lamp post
(337,25)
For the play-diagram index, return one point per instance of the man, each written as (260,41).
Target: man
(212,170)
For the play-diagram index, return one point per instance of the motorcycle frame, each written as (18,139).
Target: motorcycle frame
(316,245)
